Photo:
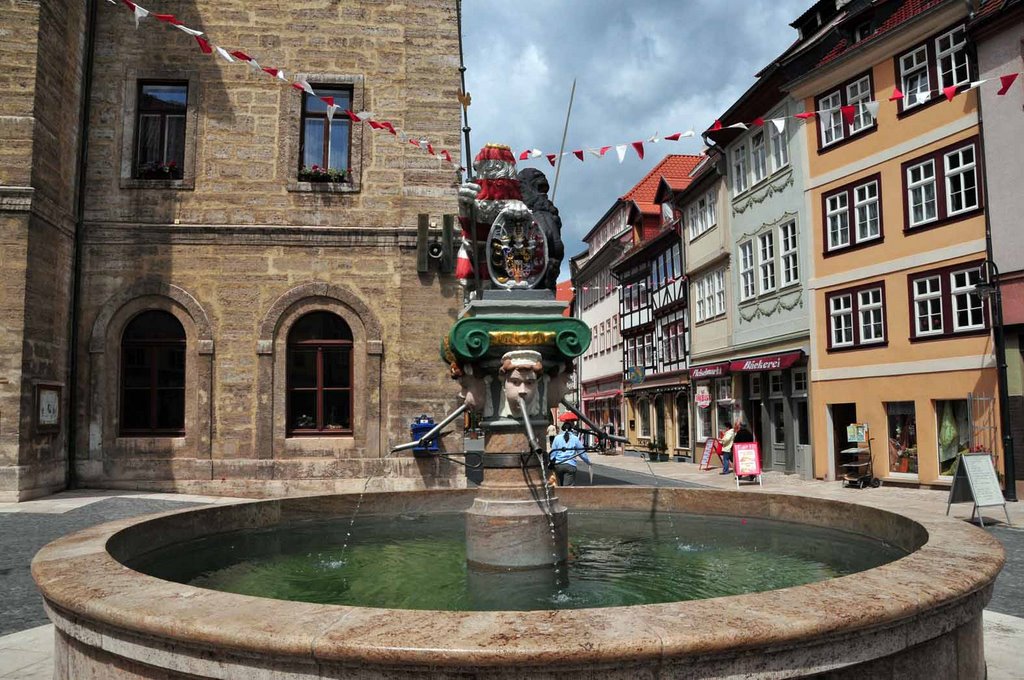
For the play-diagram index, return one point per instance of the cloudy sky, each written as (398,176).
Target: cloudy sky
(642,66)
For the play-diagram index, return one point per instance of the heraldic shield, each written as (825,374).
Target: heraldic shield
(517,250)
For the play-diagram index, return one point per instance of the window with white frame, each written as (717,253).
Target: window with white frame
(872,316)
(703,423)
(643,413)
(780,147)
(968,313)
(718,279)
(858,94)
(788,251)
(712,200)
(799,382)
(928,306)
(837,214)
(758,156)
(865,210)
(766,261)
(856,316)
(914,77)
(956,168)
(921,193)
(841,320)
(951,55)
(961,180)
(755,386)
(831,118)
(775,384)
(723,389)
(739,169)
(747,288)
(700,295)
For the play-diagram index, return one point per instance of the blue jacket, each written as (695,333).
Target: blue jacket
(566,451)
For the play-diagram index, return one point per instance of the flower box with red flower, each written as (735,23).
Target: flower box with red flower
(319,174)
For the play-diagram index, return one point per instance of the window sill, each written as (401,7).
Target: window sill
(949,219)
(693,239)
(902,113)
(859,245)
(951,336)
(185,184)
(848,138)
(323,187)
(854,348)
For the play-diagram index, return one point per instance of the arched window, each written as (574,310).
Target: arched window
(153,376)
(643,417)
(320,376)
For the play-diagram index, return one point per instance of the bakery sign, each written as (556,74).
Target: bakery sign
(774,362)
(702,396)
(708,371)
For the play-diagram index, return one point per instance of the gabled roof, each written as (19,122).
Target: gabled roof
(675,168)
(903,12)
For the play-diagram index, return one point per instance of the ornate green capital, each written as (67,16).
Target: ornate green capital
(475,338)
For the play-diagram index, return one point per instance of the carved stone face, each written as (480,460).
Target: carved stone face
(473,392)
(520,389)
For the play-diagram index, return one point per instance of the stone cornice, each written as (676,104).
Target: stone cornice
(229,234)
(16,199)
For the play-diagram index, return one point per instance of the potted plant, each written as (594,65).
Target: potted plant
(169,170)
(318,174)
(658,450)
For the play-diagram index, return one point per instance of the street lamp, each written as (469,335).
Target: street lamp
(988,288)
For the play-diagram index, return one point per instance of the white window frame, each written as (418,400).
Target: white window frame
(799,378)
(858,93)
(953,51)
(871,311)
(739,169)
(723,389)
(920,185)
(779,142)
(788,252)
(837,211)
(965,296)
(831,118)
(643,418)
(718,278)
(917,67)
(748,288)
(866,198)
(703,422)
(927,298)
(758,156)
(960,172)
(843,313)
(775,383)
(712,217)
(755,385)
(766,262)
(699,287)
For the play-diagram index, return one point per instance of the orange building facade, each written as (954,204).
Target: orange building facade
(901,338)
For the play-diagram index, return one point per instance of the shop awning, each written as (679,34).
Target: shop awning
(768,362)
(708,371)
(607,394)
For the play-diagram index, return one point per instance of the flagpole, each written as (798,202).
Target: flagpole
(565,131)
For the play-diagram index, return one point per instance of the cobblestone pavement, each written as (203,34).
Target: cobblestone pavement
(26,638)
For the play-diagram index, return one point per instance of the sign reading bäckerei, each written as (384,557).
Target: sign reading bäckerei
(767,363)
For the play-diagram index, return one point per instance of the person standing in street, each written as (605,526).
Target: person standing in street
(565,451)
(728,438)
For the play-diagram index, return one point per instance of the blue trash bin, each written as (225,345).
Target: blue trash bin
(420,427)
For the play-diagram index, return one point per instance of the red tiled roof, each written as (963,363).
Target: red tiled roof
(564,293)
(908,10)
(675,168)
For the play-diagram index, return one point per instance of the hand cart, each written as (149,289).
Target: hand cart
(857,461)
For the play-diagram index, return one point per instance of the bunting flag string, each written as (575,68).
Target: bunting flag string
(848,112)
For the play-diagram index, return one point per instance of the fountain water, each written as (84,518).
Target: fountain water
(918,616)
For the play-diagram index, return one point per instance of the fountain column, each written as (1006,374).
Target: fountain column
(512,352)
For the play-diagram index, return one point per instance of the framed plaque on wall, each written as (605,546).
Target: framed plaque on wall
(48,407)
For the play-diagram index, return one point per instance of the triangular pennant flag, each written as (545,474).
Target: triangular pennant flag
(430,147)
(578,153)
(447,156)
(653,139)
(204,45)
(674,137)
(140,13)
(922,97)
(271,70)
(1007,83)
(551,159)
(639,148)
(757,122)
(780,124)
(594,152)
(717,125)
(414,142)
(402,137)
(131,5)
(375,125)
(690,133)
(191,31)
(365,115)
(331,108)
(298,87)
(305,86)
(620,150)
(950,92)
(389,127)
(524,155)
(255,65)
(896,94)
(872,108)
(848,111)
(738,126)
(167,19)
(977,83)
(536,153)
(224,53)
(327,100)
(238,54)
(356,119)
(806,115)
(605,149)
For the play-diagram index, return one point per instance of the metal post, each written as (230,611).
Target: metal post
(996,305)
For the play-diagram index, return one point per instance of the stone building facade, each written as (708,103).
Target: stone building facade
(230,244)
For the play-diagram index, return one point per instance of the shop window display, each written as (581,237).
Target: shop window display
(954,428)
(901,418)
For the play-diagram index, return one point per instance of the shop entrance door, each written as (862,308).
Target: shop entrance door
(777,431)
(659,419)
(842,415)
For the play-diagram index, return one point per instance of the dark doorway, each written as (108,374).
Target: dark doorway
(842,415)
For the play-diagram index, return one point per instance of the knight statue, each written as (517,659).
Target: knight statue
(514,248)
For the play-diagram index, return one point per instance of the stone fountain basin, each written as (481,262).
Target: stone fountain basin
(917,617)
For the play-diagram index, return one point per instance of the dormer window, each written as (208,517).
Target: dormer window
(862,31)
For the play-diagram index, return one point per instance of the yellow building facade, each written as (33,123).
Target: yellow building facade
(901,338)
